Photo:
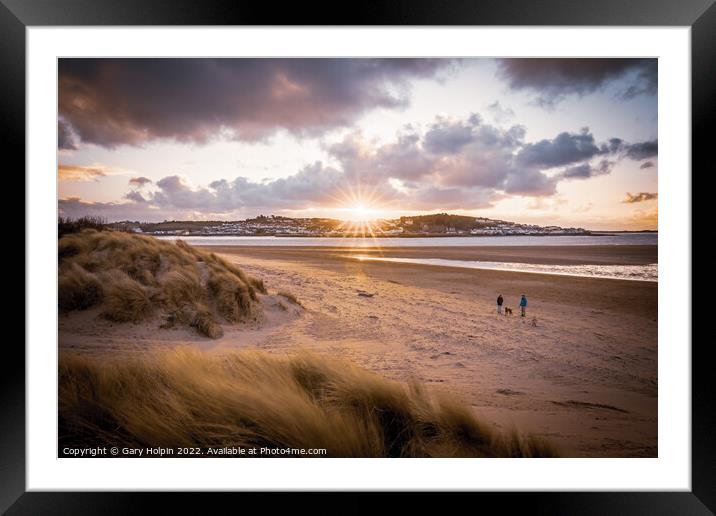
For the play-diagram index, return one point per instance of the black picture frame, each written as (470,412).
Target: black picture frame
(17,15)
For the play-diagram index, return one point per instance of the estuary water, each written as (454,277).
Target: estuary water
(517,240)
(648,272)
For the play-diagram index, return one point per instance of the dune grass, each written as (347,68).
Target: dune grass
(290,297)
(77,288)
(124,298)
(133,277)
(184,397)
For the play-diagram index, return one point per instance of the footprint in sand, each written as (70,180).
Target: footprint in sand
(509,392)
(588,405)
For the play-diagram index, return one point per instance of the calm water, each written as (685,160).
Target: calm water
(612,239)
(626,272)
(647,272)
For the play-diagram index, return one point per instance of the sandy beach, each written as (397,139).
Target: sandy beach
(584,375)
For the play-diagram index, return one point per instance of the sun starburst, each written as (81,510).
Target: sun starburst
(359,206)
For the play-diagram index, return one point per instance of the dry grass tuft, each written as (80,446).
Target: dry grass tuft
(292,298)
(135,276)
(204,323)
(78,289)
(185,397)
(234,297)
(125,300)
(180,288)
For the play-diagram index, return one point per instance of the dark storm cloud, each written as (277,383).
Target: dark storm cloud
(139,181)
(643,150)
(639,197)
(111,102)
(580,171)
(530,182)
(585,170)
(553,79)
(636,151)
(615,145)
(565,149)
(65,138)
(647,164)
(645,82)
(135,196)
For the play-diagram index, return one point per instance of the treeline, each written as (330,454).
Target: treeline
(197,225)
(67,225)
(445,220)
(167,225)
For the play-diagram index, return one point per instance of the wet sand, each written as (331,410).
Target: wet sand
(549,255)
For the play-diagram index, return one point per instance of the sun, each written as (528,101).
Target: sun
(361,213)
(358,220)
(357,202)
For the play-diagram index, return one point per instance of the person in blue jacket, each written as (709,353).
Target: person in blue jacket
(523,305)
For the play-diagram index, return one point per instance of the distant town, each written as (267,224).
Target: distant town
(437,225)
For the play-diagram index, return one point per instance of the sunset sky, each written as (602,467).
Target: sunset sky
(571,142)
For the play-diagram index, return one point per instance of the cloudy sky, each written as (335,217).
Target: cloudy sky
(571,142)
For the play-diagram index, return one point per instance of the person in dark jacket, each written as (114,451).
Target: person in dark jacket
(523,305)
(499,304)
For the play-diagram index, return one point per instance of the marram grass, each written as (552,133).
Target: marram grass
(184,397)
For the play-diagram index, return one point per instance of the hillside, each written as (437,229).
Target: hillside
(436,224)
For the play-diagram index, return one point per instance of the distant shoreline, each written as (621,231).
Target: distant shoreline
(412,235)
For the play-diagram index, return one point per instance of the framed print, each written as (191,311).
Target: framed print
(440,249)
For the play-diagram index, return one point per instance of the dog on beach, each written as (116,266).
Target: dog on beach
(508,311)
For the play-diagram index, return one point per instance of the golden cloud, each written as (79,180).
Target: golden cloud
(78,173)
